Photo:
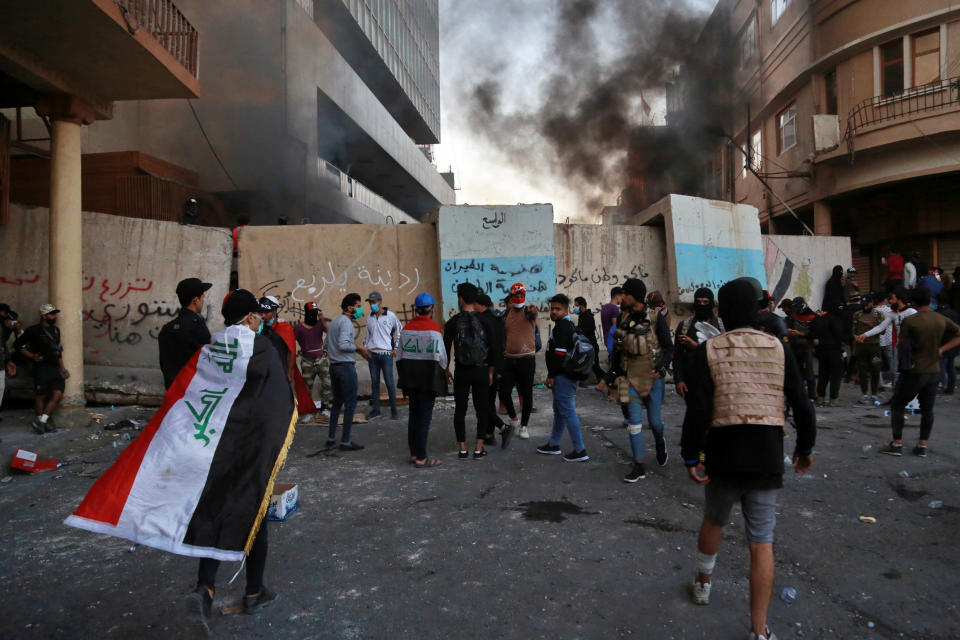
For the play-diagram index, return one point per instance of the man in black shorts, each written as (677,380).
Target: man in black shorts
(41,344)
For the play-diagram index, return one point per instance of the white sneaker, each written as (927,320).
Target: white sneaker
(767,636)
(865,399)
(701,592)
(523,434)
(307,419)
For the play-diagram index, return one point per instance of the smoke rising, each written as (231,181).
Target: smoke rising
(574,118)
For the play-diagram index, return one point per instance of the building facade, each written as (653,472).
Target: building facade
(318,111)
(848,112)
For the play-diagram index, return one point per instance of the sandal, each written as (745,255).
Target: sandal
(427,463)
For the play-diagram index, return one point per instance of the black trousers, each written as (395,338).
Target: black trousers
(805,363)
(597,371)
(924,387)
(467,380)
(418,422)
(518,372)
(831,370)
(493,420)
(207,572)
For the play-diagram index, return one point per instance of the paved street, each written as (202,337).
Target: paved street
(517,545)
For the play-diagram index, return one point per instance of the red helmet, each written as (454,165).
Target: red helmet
(518,293)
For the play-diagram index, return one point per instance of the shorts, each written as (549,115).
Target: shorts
(759,508)
(47,379)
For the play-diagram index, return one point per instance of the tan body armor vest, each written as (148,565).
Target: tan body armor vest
(640,353)
(747,368)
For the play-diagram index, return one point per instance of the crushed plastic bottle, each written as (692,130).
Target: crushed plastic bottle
(904,474)
(788,595)
(935,504)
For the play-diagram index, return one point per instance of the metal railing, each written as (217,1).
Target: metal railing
(928,97)
(162,20)
(360,192)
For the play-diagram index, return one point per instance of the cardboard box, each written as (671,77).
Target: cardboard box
(27,461)
(284,501)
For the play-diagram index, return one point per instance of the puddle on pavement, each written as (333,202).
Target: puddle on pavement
(551,510)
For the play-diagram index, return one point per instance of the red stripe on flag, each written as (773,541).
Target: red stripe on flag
(108,495)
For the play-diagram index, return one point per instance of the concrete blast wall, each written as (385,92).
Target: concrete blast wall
(130,272)
(801,265)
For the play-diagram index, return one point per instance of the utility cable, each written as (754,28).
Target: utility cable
(210,144)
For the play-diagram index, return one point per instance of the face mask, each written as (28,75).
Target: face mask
(375,308)
(311,317)
(357,313)
(518,306)
(270,322)
(702,310)
(576,309)
(52,321)
(260,328)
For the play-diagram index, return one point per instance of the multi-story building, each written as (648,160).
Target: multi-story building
(312,111)
(849,111)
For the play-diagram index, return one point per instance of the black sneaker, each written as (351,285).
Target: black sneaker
(505,434)
(463,455)
(892,449)
(637,473)
(549,449)
(920,451)
(577,456)
(252,603)
(662,453)
(330,444)
(479,454)
(394,414)
(350,446)
(373,415)
(200,602)
(50,427)
(38,427)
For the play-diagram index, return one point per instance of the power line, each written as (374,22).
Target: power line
(210,144)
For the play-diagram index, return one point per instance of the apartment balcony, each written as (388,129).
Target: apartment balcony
(96,50)
(331,176)
(920,112)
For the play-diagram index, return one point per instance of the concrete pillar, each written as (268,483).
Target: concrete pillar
(822,224)
(67,115)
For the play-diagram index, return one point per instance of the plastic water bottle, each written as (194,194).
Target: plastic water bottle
(935,504)
(788,595)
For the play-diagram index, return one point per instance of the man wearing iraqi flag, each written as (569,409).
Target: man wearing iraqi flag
(197,481)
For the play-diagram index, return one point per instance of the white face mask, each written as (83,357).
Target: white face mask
(518,306)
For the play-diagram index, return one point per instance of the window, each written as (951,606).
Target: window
(756,153)
(777,9)
(787,123)
(926,57)
(891,68)
(748,43)
(830,87)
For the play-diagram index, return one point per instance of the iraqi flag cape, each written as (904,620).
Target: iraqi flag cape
(305,405)
(198,480)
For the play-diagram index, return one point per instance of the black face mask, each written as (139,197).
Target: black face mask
(51,322)
(702,311)
(311,317)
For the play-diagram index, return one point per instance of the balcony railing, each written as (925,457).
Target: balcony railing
(928,97)
(360,192)
(162,20)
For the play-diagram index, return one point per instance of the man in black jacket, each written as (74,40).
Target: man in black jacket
(587,325)
(563,384)
(484,306)
(827,331)
(688,337)
(732,439)
(183,336)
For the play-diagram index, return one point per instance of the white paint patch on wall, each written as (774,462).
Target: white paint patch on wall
(801,265)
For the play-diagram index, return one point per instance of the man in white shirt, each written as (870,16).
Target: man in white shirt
(894,313)
(382,340)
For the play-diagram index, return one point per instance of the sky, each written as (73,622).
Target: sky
(509,66)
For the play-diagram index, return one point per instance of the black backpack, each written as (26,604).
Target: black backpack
(470,343)
(580,356)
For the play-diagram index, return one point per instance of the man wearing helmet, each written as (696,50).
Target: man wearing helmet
(421,362)
(520,363)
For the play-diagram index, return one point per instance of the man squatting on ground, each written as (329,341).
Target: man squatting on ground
(732,440)
(342,350)
(421,363)
(563,384)
(519,361)
(467,334)
(642,351)
(383,336)
(920,347)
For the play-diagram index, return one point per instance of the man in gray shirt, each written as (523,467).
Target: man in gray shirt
(342,350)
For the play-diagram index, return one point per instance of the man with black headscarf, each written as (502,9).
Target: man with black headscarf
(833,291)
(691,335)
(732,439)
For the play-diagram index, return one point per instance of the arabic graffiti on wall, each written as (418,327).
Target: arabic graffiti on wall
(495,276)
(597,276)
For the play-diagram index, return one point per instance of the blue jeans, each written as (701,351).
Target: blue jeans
(343,380)
(653,403)
(418,422)
(565,412)
(381,362)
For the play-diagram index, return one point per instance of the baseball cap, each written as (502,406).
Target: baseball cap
(269,303)
(48,308)
(311,306)
(852,270)
(374,297)
(191,288)
(485,300)
(237,304)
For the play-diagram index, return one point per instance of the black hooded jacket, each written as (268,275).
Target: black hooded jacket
(833,296)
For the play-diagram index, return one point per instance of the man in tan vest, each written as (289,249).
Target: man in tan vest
(732,440)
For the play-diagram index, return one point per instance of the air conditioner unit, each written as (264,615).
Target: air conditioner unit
(826,132)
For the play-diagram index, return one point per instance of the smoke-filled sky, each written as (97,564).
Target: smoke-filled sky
(538,96)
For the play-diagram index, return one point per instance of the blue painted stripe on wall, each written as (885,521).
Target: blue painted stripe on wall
(706,266)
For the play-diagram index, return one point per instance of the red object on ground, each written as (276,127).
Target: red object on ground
(27,461)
